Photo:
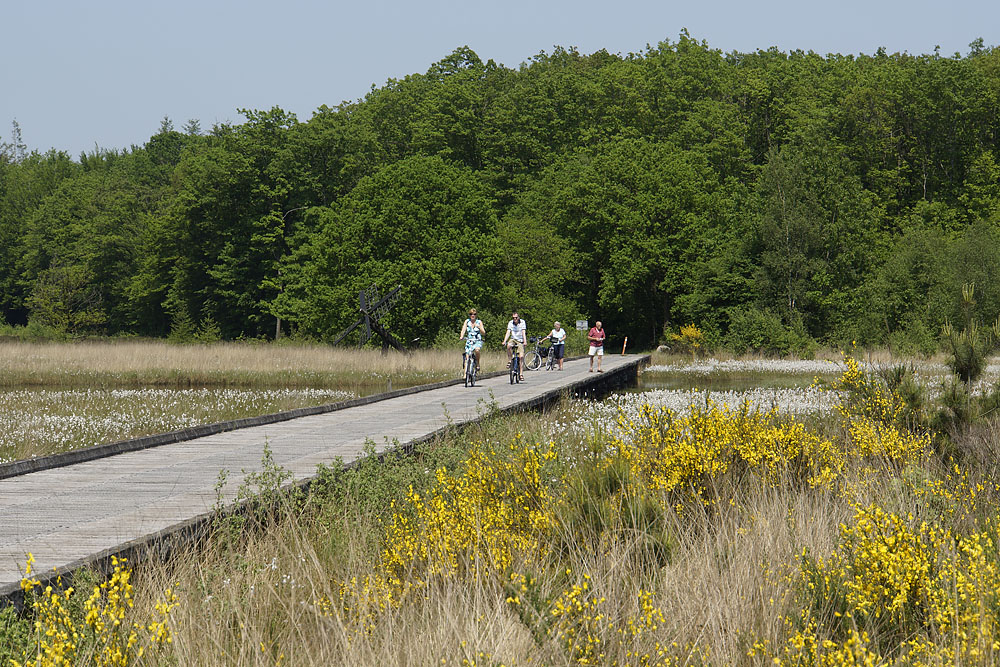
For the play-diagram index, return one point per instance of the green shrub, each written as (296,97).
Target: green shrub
(181,328)
(915,339)
(34,331)
(972,346)
(15,631)
(208,331)
(752,330)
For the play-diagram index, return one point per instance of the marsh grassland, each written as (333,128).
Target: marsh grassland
(620,532)
(143,364)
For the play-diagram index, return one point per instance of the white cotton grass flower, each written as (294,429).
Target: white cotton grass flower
(752,366)
(39,422)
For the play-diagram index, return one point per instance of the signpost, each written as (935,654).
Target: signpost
(582,325)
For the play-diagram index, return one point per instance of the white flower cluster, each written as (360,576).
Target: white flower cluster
(752,366)
(39,422)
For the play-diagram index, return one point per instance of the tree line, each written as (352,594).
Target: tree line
(773,199)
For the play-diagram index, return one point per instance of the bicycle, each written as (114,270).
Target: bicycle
(533,358)
(550,359)
(515,367)
(469,361)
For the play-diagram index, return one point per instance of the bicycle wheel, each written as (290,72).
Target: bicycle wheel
(514,369)
(472,373)
(532,360)
(550,360)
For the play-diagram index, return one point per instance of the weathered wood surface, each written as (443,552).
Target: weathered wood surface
(72,515)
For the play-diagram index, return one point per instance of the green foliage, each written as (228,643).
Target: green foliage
(902,381)
(182,328)
(914,339)
(754,331)
(15,633)
(371,486)
(604,502)
(970,347)
(208,331)
(421,223)
(34,331)
(819,198)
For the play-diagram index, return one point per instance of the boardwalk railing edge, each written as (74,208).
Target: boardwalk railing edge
(162,542)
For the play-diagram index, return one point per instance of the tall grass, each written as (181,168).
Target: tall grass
(160,364)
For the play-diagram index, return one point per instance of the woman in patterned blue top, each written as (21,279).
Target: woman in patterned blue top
(473,332)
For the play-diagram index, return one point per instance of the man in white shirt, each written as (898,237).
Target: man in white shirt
(517,334)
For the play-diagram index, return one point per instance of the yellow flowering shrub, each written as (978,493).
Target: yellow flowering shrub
(899,591)
(684,453)
(494,508)
(873,417)
(480,518)
(689,339)
(591,636)
(108,635)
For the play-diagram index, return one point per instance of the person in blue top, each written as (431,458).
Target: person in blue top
(473,332)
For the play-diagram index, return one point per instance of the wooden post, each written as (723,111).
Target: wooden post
(623,345)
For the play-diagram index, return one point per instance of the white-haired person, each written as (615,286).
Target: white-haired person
(596,336)
(558,338)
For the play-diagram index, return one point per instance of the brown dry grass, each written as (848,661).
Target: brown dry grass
(724,584)
(158,363)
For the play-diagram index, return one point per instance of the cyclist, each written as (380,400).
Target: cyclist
(517,334)
(473,332)
(558,338)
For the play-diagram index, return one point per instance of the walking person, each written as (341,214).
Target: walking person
(517,334)
(558,338)
(596,336)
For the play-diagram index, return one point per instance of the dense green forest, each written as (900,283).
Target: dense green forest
(773,199)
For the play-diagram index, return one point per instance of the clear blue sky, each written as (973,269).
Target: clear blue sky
(78,74)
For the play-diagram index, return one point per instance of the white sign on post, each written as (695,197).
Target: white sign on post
(582,325)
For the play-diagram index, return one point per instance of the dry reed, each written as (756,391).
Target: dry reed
(130,363)
(722,585)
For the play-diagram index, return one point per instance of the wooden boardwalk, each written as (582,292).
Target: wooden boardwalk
(83,513)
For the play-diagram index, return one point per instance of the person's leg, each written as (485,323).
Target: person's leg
(477,358)
(600,356)
(591,353)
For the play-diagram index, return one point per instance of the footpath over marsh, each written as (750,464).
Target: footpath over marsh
(71,515)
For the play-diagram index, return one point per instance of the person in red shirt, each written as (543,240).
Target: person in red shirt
(596,336)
